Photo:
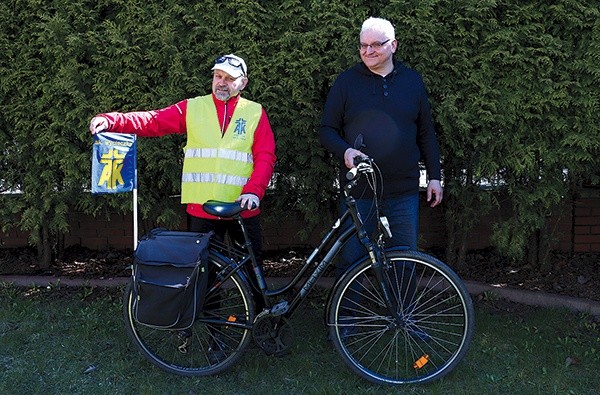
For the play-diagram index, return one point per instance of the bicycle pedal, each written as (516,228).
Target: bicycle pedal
(280,308)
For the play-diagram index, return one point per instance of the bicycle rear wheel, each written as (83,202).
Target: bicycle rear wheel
(216,340)
(430,335)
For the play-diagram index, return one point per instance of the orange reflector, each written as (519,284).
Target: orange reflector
(232,318)
(419,363)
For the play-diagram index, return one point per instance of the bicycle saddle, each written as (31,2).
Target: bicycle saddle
(222,209)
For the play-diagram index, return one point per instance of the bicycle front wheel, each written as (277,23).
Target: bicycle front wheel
(216,340)
(425,340)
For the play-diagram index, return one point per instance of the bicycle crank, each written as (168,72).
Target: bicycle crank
(274,335)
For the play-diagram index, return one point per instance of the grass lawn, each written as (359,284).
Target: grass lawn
(72,341)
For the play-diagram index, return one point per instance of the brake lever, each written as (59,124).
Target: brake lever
(362,164)
(362,168)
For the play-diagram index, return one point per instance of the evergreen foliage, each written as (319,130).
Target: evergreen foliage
(513,85)
(514,90)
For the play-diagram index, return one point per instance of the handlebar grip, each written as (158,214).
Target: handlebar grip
(351,173)
(358,160)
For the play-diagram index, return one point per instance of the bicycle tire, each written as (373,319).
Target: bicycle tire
(432,335)
(205,348)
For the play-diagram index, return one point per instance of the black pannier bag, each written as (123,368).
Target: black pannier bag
(170,275)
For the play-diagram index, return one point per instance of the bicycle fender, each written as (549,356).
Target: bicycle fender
(223,259)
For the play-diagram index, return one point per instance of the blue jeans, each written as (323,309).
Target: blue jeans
(403,216)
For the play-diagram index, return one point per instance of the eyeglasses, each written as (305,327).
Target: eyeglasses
(376,45)
(232,61)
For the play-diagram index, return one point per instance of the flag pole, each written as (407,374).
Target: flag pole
(135,212)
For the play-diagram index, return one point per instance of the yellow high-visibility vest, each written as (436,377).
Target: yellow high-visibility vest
(217,167)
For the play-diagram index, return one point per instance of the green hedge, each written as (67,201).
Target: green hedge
(513,87)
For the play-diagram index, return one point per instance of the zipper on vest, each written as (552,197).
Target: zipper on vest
(223,126)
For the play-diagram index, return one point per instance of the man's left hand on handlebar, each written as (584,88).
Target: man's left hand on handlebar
(249,200)
(349,156)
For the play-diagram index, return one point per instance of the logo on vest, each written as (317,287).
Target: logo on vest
(240,129)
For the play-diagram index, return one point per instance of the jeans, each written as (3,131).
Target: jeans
(403,216)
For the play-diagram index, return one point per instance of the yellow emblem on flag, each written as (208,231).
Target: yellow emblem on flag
(111,173)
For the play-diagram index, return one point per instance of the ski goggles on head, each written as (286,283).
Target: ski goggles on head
(232,65)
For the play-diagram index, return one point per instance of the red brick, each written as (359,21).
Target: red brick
(91,223)
(110,233)
(595,247)
(581,230)
(583,211)
(13,242)
(121,242)
(97,243)
(581,248)
(587,221)
(72,240)
(87,233)
(587,239)
(587,202)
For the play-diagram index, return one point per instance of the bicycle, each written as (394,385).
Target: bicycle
(396,317)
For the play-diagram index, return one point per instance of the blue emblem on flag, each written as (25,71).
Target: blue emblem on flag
(114,163)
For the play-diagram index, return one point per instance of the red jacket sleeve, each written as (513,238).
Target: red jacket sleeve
(155,123)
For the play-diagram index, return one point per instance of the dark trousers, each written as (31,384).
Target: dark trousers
(231,228)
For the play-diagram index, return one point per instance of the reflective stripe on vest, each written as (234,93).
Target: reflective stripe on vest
(218,153)
(217,167)
(226,179)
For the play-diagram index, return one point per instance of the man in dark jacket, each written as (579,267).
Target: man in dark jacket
(386,103)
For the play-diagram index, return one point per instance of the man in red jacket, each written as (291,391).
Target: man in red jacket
(229,153)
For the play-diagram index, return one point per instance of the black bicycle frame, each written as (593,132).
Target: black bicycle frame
(332,243)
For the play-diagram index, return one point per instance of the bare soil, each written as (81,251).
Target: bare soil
(576,275)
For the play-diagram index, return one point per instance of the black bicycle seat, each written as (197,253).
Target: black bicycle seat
(222,209)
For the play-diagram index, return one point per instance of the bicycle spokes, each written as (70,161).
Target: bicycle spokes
(421,336)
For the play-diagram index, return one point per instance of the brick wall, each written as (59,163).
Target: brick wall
(13,238)
(586,225)
(578,229)
(100,233)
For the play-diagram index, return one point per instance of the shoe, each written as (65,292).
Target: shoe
(216,351)
(259,304)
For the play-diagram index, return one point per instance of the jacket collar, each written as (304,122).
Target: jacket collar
(363,69)
(220,104)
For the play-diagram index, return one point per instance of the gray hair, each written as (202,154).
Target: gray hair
(379,25)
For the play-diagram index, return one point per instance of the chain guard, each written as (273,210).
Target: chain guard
(274,335)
